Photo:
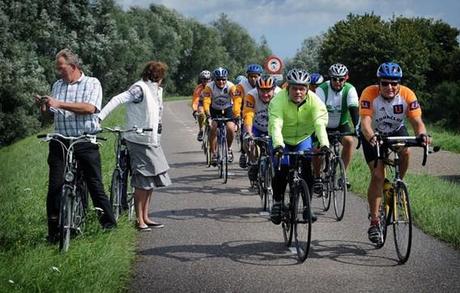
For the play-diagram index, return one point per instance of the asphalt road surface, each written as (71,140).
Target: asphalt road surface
(217,240)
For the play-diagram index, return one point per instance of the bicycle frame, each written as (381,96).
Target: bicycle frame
(222,147)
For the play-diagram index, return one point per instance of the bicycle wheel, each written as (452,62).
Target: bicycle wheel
(115,193)
(206,147)
(385,218)
(80,206)
(261,183)
(268,185)
(327,194)
(303,221)
(402,222)
(339,190)
(287,220)
(224,162)
(65,219)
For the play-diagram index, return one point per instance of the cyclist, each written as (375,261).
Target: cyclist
(316,80)
(74,102)
(255,116)
(341,101)
(253,73)
(197,103)
(383,108)
(294,114)
(218,101)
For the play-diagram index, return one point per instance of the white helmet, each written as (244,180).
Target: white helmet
(205,74)
(298,76)
(338,70)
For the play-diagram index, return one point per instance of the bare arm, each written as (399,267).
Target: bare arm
(79,108)
(366,127)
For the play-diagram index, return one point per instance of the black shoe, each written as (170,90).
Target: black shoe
(199,137)
(213,160)
(374,233)
(318,186)
(313,216)
(230,155)
(252,173)
(275,215)
(52,239)
(243,161)
(155,225)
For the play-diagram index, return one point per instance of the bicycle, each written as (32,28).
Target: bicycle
(222,148)
(395,207)
(121,194)
(265,170)
(296,215)
(74,194)
(334,177)
(205,145)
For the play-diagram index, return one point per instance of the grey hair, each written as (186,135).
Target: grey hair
(70,57)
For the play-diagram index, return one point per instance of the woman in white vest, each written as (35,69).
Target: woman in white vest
(149,166)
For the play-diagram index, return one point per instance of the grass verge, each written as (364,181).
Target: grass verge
(435,202)
(97,261)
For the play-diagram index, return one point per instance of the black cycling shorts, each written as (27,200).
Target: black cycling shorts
(226,113)
(370,153)
(342,128)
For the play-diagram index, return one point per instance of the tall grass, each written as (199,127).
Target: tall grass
(97,261)
(435,202)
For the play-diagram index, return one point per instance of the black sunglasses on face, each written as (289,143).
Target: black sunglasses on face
(386,83)
(220,79)
(338,79)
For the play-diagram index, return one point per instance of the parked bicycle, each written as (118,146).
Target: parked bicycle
(121,194)
(334,177)
(395,206)
(74,195)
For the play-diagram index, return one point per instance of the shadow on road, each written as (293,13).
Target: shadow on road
(272,254)
(233,215)
(451,178)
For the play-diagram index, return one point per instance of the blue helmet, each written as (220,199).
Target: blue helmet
(254,68)
(240,78)
(220,72)
(389,70)
(316,79)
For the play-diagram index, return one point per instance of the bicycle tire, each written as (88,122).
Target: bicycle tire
(286,221)
(303,221)
(224,161)
(80,205)
(385,214)
(65,219)
(402,222)
(327,194)
(339,188)
(261,183)
(268,185)
(116,189)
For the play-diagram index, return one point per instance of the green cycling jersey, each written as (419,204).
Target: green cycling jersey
(291,124)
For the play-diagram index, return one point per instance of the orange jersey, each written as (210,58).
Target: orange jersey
(196,96)
(388,115)
(220,99)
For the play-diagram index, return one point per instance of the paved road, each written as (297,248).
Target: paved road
(216,240)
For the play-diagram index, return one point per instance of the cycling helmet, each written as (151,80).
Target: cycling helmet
(389,70)
(338,70)
(266,82)
(254,68)
(205,74)
(220,73)
(240,78)
(316,78)
(298,76)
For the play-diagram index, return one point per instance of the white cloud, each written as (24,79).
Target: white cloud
(286,23)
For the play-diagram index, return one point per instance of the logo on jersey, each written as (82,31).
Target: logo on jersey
(414,105)
(365,104)
(398,109)
(205,94)
(237,92)
(249,104)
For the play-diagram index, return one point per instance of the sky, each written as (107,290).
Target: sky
(287,23)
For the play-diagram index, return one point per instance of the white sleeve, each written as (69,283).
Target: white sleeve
(352,98)
(122,98)
(320,93)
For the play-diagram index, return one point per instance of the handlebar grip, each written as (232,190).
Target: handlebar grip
(147,129)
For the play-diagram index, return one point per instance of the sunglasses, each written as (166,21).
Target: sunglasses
(338,79)
(221,79)
(386,83)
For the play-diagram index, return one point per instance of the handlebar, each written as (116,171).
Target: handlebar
(403,141)
(136,129)
(54,136)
